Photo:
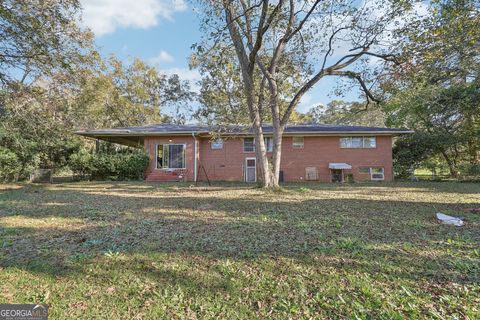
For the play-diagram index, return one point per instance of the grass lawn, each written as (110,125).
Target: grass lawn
(135,250)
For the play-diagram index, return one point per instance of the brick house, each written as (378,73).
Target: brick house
(326,153)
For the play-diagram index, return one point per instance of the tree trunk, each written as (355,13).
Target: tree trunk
(277,153)
(452,167)
(247,65)
(277,128)
(263,168)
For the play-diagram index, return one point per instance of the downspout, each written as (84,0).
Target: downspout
(195,158)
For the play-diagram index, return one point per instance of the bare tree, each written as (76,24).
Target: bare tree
(320,38)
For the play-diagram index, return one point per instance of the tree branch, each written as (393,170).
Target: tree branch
(358,78)
(304,20)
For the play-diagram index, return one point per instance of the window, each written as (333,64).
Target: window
(345,142)
(170,156)
(249,144)
(358,142)
(369,142)
(376,173)
(268,143)
(250,163)
(297,142)
(217,144)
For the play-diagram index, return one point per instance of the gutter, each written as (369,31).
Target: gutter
(195,157)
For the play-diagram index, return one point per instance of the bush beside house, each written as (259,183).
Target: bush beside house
(101,166)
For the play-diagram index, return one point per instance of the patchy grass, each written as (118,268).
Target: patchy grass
(149,251)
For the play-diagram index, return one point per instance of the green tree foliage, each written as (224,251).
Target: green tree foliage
(41,49)
(9,165)
(33,126)
(222,97)
(413,151)
(37,38)
(38,119)
(442,47)
(436,91)
(347,113)
(53,82)
(118,95)
(442,118)
(81,163)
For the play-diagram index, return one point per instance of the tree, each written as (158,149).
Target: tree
(53,82)
(38,121)
(305,35)
(114,95)
(413,151)
(441,47)
(222,99)
(39,37)
(441,116)
(347,113)
(34,128)
(40,45)
(435,89)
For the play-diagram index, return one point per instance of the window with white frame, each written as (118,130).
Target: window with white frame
(297,142)
(249,144)
(268,144)
(376,173)
(358,142)
(170,156)
(217,144)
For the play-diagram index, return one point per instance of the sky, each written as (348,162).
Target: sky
(162,32)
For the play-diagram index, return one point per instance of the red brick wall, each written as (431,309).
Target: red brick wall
(228,163)
(224,164)
(320,151)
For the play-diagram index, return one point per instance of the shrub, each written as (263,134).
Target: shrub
(471,170)
(10,166)
(133,165)
(100,166)
(104,165)
(81,163)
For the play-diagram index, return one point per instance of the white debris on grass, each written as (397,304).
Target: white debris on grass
(446,219)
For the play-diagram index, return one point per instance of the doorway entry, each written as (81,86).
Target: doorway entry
(250,170)
(337,175)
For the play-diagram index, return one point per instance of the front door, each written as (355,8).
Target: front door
(250,170)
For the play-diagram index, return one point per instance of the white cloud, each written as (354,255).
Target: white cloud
(162,57)
(193,76)
(183,73)
(306,103)
(105,16)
